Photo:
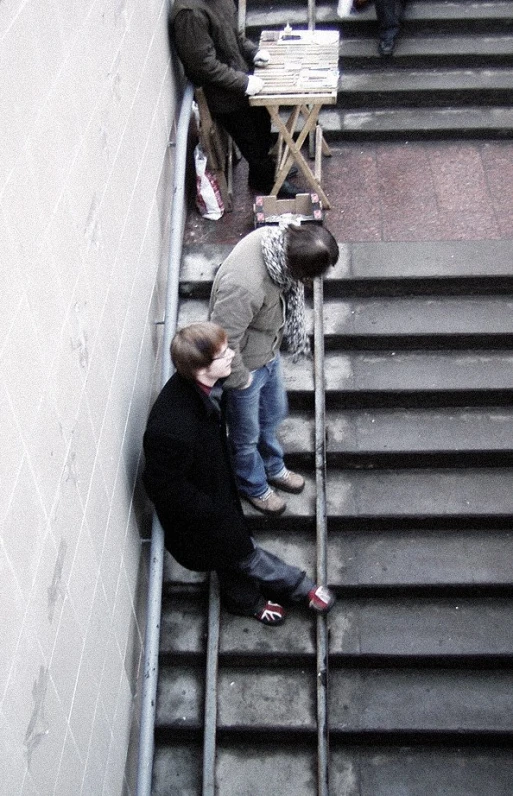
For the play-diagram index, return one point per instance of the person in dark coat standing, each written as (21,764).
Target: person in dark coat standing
(189,477)
(219,58)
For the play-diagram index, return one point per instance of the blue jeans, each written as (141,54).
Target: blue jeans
(247,583)
(254,415)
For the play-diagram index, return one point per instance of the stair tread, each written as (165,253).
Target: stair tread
(407,494)
(409,561)
(443,45)
(369,700)
(260,15)
(378,261)
(402,317)
(412,372)
(415,80)
(478,315)
(354,771)
(410,431)
(408,122)
(401,627)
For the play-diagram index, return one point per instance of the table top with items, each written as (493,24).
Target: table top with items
(303,67)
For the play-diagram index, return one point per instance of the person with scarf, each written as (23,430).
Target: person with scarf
(258,298)
(189,477)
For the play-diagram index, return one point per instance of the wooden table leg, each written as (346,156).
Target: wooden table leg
(295,151)
(326,151)
(283,149)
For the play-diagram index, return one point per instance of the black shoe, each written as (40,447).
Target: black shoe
(292,172)
(288,191)
(386,47)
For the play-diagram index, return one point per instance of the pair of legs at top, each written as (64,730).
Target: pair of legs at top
(254,415)
(389,14)
(251,130)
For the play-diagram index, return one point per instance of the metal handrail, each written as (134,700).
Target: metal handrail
(210,711)
(321,542)
(154,606)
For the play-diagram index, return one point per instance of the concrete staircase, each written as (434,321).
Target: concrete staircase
(451,74)
(419,392)
(419,377)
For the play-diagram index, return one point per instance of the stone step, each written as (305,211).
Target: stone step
(405,379)
(399,497)
(428,322)
(430,559)
(421,16)
(385,701)
(369,630)
(469,437)
(406,124)
(373,770)
(429,52)
(426,88)
(404,323)
(425,268)
(452,58)
(432,18)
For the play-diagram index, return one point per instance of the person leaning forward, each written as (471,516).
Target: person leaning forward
(217,57)
(189,477)
(258,298)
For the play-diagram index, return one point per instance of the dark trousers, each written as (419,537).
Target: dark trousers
(250,128)
(389,14)
(261,575)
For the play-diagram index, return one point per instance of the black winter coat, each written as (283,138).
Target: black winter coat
(189,477)
(213,52)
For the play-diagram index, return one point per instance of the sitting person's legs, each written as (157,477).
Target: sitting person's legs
(251,131)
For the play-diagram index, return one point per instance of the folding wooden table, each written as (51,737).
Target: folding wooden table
(302,75)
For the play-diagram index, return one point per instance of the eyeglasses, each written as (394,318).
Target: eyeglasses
(223,355)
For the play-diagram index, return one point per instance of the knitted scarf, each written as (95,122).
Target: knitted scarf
(273,251)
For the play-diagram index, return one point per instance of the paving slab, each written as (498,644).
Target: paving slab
(418,192)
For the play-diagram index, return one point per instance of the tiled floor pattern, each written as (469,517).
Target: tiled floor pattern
(457,190)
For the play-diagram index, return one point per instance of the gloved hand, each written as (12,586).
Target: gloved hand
(255,84)
(262,58)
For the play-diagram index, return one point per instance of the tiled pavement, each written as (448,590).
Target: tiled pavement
(456,190)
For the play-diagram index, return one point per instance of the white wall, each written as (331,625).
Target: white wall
(86,113)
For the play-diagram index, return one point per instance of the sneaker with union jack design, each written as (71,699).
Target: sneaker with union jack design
(321,599)
(271,614)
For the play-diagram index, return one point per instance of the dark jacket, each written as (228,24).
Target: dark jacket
(189,477)
(214,54)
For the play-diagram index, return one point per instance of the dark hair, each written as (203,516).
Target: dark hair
(195,346)
(309,250)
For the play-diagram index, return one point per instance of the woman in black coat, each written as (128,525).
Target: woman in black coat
(189,477)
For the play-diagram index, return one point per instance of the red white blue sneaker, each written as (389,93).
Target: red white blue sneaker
(271,614)
(321,599)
